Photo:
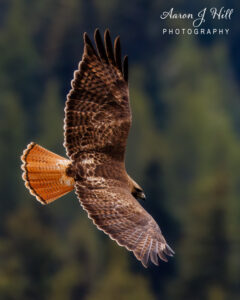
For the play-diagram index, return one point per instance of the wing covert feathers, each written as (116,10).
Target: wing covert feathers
(44,173)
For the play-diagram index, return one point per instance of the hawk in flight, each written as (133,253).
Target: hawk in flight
(96,126)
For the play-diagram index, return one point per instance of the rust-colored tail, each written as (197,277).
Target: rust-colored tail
(44,173)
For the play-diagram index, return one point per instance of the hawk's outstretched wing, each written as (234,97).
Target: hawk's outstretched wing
(116,212)
(97,122)
(97,113)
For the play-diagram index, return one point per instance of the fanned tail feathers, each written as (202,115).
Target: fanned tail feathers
(44,173)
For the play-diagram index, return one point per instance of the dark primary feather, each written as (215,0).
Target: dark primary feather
(109,47)
(117,53)
(97,122)
(125,68)
(88,43)
(100,46)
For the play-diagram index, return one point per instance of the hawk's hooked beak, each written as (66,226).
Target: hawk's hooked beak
(139,194)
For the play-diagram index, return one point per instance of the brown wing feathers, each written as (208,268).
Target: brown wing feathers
(106,52)
(114,211)
(97,113)
(114,57)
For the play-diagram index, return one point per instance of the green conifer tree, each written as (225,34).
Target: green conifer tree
(12,126)
(118,282)
(200,175)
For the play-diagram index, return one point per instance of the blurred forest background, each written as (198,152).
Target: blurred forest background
(184,149)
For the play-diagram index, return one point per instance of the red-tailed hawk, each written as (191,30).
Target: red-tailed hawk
(96,125)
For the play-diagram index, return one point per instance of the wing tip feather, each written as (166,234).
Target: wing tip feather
(100,46)
(152,253)
(105,51)
(125,68)
(117,53)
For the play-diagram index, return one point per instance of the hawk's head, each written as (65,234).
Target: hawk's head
(135,189)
